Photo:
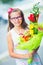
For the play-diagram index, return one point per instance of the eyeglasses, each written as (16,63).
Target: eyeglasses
(19,17)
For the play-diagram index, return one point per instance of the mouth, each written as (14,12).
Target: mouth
(17,22)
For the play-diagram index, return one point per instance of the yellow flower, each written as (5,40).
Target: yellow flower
(31,32)
(31,26)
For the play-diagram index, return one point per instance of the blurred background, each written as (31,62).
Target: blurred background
(25,6)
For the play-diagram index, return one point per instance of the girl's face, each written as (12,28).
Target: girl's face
(16,18)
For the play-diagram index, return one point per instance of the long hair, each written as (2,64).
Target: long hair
(23,24)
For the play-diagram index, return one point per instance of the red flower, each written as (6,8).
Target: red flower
(31,17)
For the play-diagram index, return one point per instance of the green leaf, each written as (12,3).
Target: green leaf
(35,30)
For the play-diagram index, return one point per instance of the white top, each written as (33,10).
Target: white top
(14,36)
(15,40)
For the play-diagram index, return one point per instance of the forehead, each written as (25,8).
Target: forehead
(15,14)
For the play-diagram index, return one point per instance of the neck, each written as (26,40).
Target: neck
(18,27)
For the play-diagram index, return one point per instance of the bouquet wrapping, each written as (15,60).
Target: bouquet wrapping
(31,44)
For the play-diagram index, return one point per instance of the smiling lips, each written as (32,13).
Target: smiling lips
(17,22)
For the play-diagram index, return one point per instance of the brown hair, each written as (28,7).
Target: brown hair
(23,24)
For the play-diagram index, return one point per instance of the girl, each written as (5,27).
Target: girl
(17,26)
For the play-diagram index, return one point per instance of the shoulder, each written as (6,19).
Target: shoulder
(8,36)
(9,33)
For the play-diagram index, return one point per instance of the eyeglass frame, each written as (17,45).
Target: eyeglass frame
(18,17)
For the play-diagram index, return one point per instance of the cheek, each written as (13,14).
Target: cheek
(20,21)
(12,21)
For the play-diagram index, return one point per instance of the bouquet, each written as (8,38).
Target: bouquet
(31,39)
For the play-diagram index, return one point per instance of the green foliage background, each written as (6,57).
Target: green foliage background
(8,1)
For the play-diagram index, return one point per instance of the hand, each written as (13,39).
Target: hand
(29,55)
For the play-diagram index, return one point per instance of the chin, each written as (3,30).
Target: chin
(18,25)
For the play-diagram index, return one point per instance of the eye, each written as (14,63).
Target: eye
(18,17)
(12,18)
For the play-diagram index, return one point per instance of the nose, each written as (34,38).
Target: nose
(17,19)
